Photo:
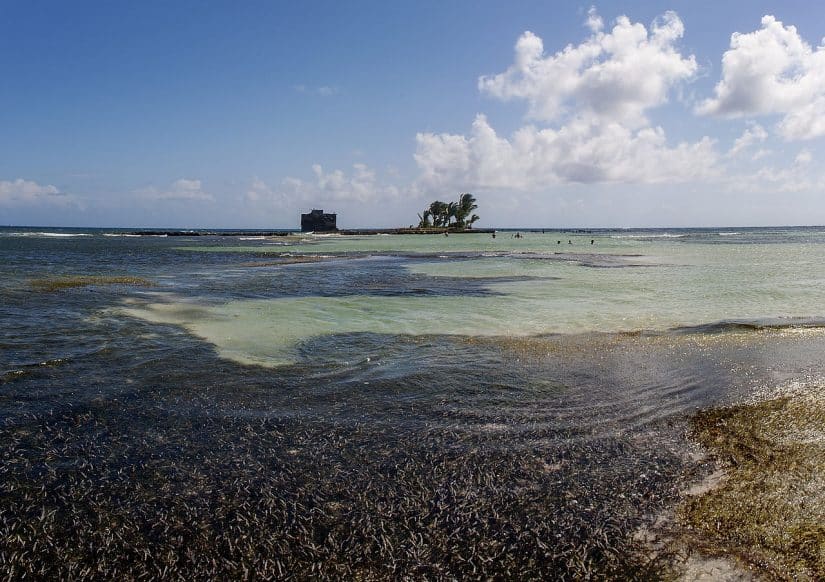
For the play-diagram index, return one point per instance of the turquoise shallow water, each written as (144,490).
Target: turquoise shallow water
(281,403)
(517,287)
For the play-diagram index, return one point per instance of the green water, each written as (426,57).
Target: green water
(534,286)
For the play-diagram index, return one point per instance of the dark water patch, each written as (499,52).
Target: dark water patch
(23,370)
(599,260)
(12,375)
(154,259)
(595,260)
(754,325)
(285,260)
(374,276)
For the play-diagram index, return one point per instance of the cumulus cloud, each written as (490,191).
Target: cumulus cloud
(27,192)
(182,189)
(751,136)
(361,185)
(800,176)
(772,71)
(592,100)
(576,153)
(594,22)
(614,76)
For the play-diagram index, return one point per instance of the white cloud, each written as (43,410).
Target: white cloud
(361,185)
(182,189)
(594,22)
(597,93)
(797,177)
(258,191)
(772,71)
(806,121)
(752,135)
(779,180)
(26,192)
(613,76)
(577,153)
(802,158)
(761,153)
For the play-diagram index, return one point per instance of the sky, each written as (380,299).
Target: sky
(219,114)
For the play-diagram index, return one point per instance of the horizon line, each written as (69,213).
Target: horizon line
(480,228)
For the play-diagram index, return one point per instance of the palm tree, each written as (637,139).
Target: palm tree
(425,219)
(438,210)
(473,218)
(452,212)
(466,204)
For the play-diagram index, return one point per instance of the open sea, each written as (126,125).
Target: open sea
(377,407)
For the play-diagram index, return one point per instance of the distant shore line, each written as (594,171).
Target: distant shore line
(346,231)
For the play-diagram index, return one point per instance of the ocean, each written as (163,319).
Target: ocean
(381,406)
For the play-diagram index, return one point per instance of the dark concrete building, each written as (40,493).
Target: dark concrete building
(318,221)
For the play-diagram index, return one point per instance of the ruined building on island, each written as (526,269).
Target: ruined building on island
(318,221)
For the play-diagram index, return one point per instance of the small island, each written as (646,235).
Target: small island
(439,217)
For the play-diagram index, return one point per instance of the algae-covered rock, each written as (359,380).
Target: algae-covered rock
(770,508)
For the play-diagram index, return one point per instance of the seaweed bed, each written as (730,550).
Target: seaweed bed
(73,281)
(769,511)
(115,492)
(169,468)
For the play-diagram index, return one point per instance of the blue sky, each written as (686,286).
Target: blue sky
(242,115)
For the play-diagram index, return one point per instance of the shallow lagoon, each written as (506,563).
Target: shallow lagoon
(435,406)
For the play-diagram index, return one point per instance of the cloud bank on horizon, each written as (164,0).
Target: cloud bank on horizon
(591,118)
(22,192)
